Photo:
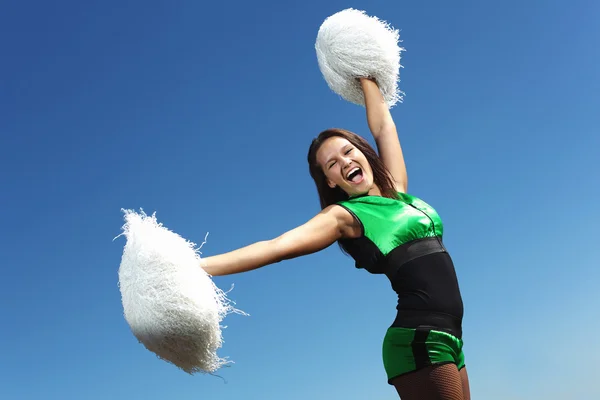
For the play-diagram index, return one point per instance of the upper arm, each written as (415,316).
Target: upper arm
(384,132)
(321,231)
(390,152)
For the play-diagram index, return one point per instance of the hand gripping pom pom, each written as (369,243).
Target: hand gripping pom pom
(170,303)
(351,45)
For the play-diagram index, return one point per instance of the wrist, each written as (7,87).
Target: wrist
(203,263)
(365,79)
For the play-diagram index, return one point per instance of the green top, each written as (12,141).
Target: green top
(402,238)
(390,223)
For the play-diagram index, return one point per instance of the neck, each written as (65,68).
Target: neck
(374,191)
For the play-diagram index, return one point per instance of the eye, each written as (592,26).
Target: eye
(331,165)
(349,150)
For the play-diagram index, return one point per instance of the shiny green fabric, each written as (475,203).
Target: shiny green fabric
(390,223)
(403,352)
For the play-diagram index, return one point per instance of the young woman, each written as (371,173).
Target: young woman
(365,208)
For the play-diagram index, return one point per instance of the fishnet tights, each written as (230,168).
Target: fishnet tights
(443,382)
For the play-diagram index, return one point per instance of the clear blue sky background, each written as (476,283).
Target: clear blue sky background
(203,112)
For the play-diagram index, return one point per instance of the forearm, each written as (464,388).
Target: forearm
(378,113)
(384,132)
(247,258)
(318,233)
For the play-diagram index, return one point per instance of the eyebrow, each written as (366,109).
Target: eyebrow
(343,149)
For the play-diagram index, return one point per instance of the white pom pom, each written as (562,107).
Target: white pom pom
(170,303)
(350,44)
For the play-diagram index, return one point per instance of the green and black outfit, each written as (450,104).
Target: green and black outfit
(402,238)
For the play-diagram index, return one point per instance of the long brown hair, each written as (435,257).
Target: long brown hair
(381,176)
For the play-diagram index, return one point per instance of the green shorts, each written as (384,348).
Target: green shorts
(406,350)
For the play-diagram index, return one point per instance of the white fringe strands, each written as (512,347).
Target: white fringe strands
(350,45)
(170,303)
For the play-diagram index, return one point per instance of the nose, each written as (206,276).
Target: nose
(346,162)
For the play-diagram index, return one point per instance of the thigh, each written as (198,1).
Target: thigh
(465,384)
(435,382)
(406,350)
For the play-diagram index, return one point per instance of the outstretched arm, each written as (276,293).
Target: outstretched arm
(320,232)
(384,132)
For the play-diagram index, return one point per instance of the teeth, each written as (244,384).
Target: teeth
(351,172)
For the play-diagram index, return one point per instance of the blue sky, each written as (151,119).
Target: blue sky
(204,114)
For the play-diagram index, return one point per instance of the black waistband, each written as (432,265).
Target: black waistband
(429,319)
(412,250)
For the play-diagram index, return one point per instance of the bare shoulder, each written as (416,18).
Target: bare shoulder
(329,225)
(401,187)
(347,224)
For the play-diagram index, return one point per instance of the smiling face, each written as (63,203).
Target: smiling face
(345,166)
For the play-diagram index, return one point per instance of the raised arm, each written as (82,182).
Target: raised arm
(384,132)
(318,233)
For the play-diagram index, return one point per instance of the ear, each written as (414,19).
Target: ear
(331,184)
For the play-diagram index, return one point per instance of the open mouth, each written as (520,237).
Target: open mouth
(355,175)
